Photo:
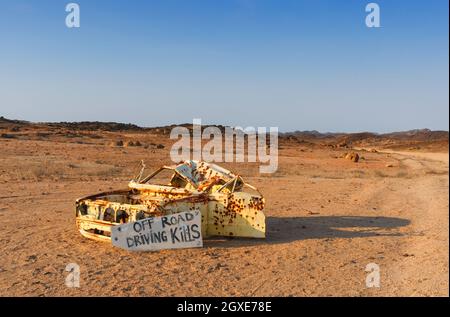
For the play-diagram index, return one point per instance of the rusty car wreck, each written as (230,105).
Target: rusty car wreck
(228,205)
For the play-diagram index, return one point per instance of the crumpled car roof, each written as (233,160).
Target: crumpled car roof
(201,172)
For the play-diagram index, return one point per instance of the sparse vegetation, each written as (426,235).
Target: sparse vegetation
(7,136)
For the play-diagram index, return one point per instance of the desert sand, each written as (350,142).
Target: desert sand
(327,218)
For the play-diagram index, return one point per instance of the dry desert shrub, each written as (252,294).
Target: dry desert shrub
(436,172)
(379,173)
(402,174)
(117,143)
(358,173)
(108,172)
(399,174)
(58,170)
(95,136)
(39,171)
(7,136)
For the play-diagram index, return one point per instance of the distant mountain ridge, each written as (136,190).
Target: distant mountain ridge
(416,134)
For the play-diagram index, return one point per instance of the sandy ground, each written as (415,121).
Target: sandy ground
(327,218)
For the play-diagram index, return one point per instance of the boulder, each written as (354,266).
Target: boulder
(352,156)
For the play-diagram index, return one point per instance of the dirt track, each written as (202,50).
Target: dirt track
(327,218)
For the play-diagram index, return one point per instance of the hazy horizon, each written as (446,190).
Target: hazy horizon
(219,124)
(296,65)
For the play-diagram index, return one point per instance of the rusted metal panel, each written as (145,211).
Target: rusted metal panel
(228,205)
(237,214)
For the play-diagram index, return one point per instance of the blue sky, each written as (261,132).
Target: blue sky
(298,65)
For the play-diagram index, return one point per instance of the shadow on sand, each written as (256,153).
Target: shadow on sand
(289,229)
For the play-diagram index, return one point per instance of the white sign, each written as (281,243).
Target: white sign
(181,230)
